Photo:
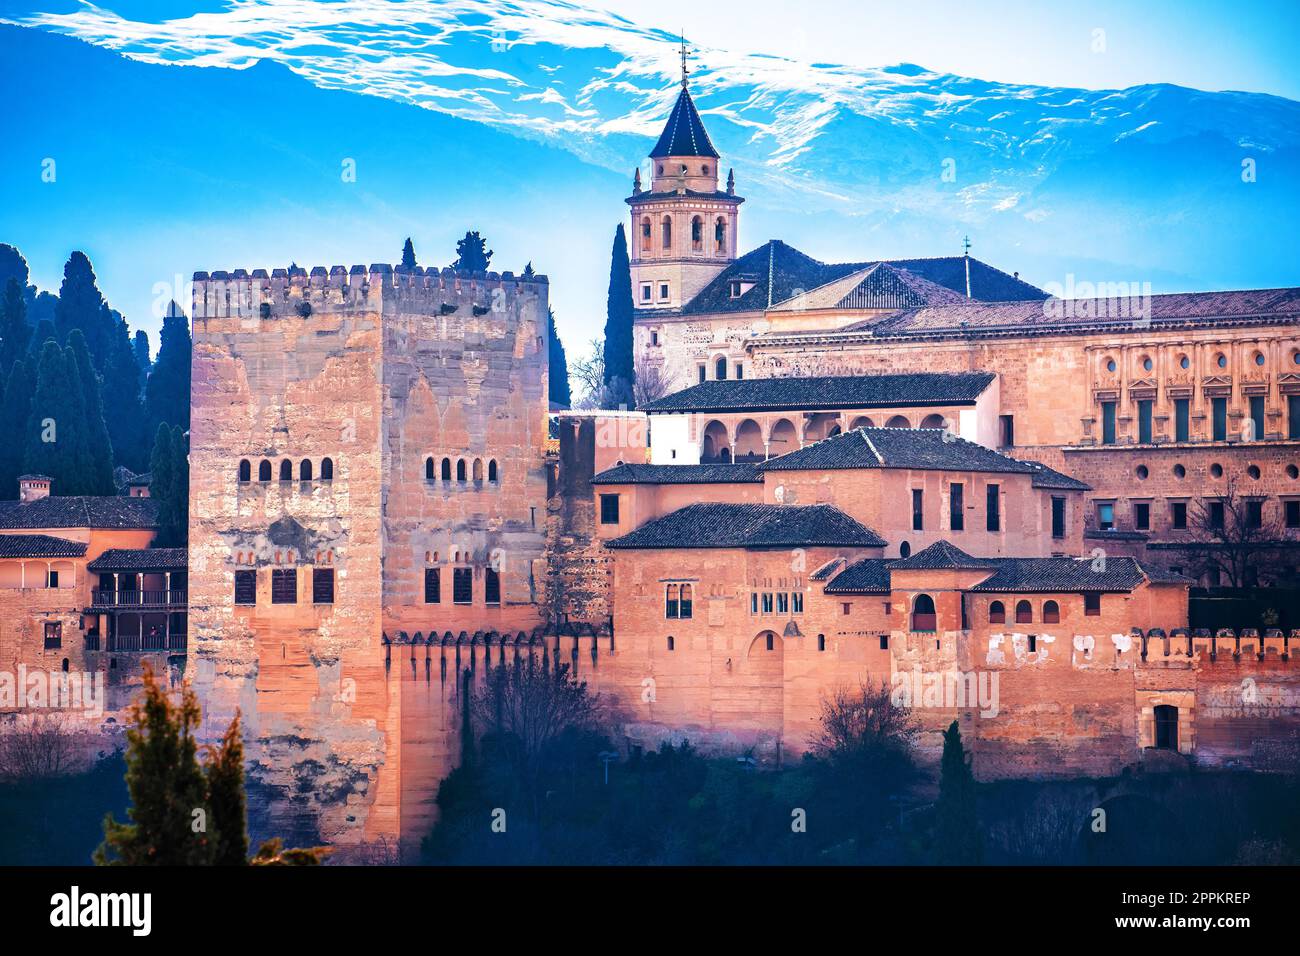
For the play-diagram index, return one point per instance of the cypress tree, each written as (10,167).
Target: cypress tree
(140,346)
(13,428)
(179,513)
(162,484)
(97,438)
(957,835)
(408,254)
(224,774)
(166,784)
(15,333)
(55,443)
(558,380)
(127,425)
(167,394)
(84,481)
(620,373)
(81,306)
(44,333)
(12,266)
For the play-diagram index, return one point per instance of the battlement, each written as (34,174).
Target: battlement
(1214,646)
(281,292)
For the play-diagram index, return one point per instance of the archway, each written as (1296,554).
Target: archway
(933,421)
(784,439)
(898,421)
(715,445)
(862,421)
(923,615)
(749,442)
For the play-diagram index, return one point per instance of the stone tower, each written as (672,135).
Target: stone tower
(684,229)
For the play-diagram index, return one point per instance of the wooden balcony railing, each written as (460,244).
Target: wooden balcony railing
(107,598)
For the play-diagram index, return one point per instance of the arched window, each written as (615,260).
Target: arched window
(428,469)
(446,469)
(1024,613)
(670,643)
(668,232)
(264,471)
(771,644)
(645,234)
(821,642)
(697,234)
(478,469)
(491,587)
(460,469)
(923,616)
(326,469)
(1051,613)
(898,421)
(932,421)
(720,235)
(685,606)
(997,613)
(492,470)
(245,470)
(720,368)
(286,470)
(304,470)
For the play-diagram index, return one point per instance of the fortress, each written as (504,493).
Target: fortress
(921,472)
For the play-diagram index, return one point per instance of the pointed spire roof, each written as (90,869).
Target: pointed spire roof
(684,133)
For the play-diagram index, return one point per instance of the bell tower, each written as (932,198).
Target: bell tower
(684,228)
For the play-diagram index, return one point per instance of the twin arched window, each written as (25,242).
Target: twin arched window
(245,470)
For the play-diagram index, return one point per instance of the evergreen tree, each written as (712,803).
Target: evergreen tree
(167,787)
(13,427)
(162,485)
(140,346)
(558,380)
(179,514)
(620,374)
(408,255)
(472,254)
(15,333)
(56,438)
(167,394)
(224,774)
(529,274)
(127,425)
(956,833)
(81,306)
(12,266)
(98,443)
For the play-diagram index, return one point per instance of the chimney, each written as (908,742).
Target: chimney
(33,487)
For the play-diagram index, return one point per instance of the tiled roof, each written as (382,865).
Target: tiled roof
(39,546)
(1176,310)
(930,449)
(684,133)
(878,286)
(678,475)
(648,196)
(868,576)
(1008,575)
(99,511)
(707,525)
(781,272)
(828,391)
(1096,534)
(1062,574)
(141,559)
(1045,477)
(941,556)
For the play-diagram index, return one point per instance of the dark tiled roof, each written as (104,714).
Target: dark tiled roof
(1095,534)
(678,475)
(708,525)
(141,559)
(684,133)
(781,272)
(878,286)
(1045,477)
(930,449)
(1062,574)
(80,512)
(868,576)
(941,556)
(39,546)
(828,391)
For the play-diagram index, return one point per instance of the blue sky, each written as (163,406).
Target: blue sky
(563,100)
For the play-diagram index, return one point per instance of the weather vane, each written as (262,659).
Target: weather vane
(966,244)
(685,72)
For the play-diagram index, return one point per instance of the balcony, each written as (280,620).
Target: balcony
(108,599)
(153,640)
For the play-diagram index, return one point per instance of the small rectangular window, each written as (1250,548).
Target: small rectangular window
(1105,515)
(1092,605)
(645,292)
(918,511)
(740,370)
(1178,515)
(245,587)
(955,511)
(884,642)
(432,586)
(1216,514)
(53,635)
(846,608)
(1058,517)
(663,291)
(491,587)
(796,602)
(1293,514)
(1008,424)
(1144,421)
(322,585)
(1254,514)
(1142,516)
(994,508)
(654,338)
(1219,415)
(284,586)
(52,579)
(1182,419)
(462,586)
(703,372)
(1108,423)
(1293,416)
(609,509)
(1256,424)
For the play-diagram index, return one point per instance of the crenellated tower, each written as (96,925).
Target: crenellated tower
(684,228)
